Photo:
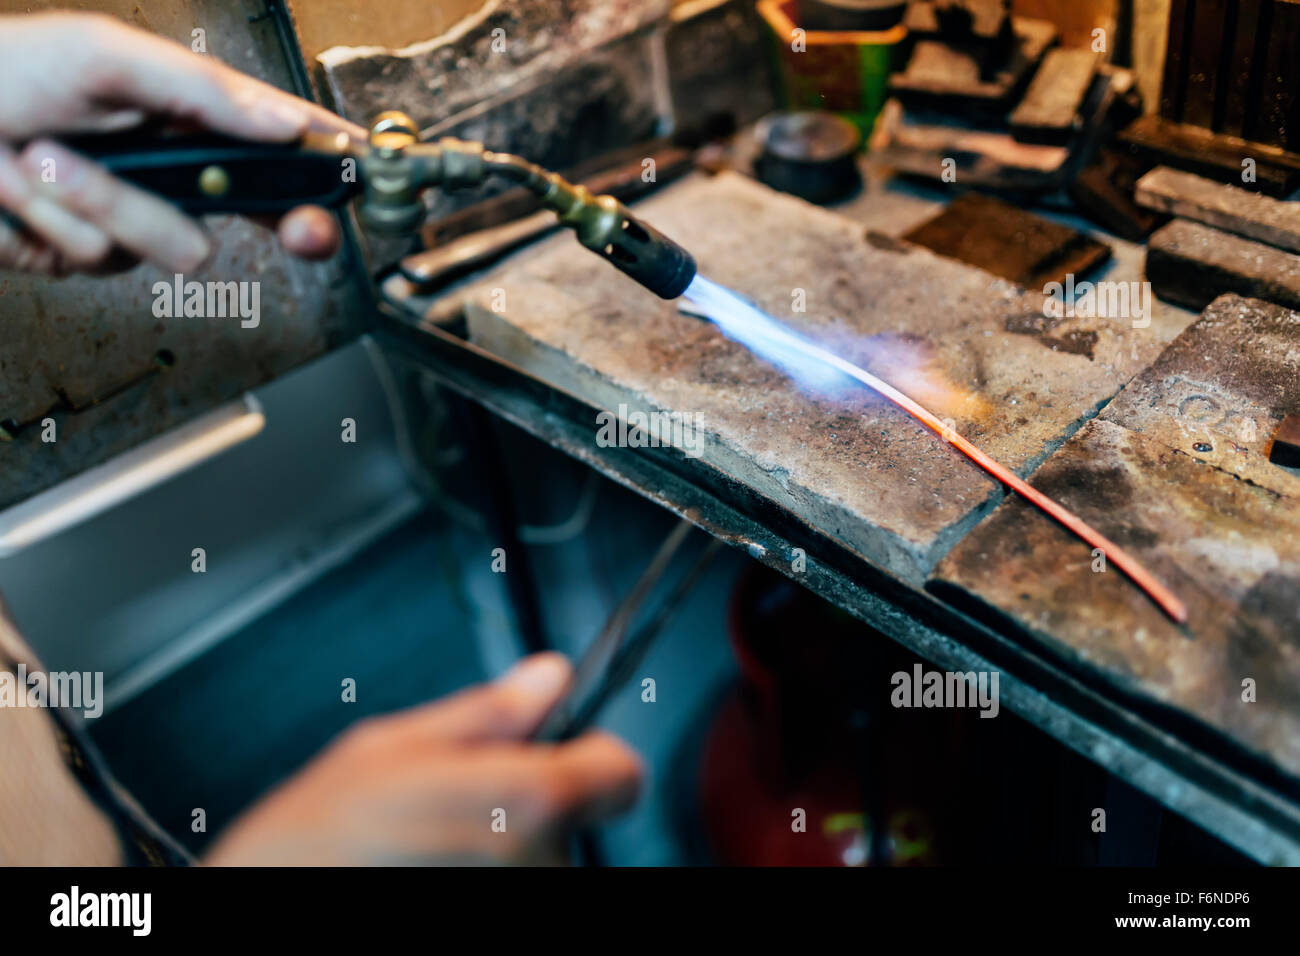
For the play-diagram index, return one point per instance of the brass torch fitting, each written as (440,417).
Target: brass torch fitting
(397,167)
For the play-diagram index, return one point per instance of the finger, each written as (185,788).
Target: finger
(80,244)
(507,709)
(140,69)
(594,777)
(22,252)
(546,791)
(136,220)
(310,232)
(133,68)
(113,121)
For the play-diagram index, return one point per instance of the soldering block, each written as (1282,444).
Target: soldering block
(976,349)
(1222,389)
(1175,470)
(1229,549)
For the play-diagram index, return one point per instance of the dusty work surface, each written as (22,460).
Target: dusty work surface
(1175,469)
(974,347)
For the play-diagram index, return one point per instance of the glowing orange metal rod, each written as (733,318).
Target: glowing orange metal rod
(1139,575)
(1116,555)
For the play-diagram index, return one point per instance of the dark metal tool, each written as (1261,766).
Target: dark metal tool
(209,173)
(454,256)
(609,661)
(810,154)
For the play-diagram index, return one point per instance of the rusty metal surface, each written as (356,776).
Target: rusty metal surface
(1176,469)
(1007,241)
(973,347)
(88,336)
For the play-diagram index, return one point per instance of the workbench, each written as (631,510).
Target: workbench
(854,500)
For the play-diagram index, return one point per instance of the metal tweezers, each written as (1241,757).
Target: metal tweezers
(613,655)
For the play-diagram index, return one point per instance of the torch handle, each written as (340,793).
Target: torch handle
(211,173)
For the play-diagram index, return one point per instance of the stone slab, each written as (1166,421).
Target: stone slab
(973,347)
(1049,112)
(944,77)
(1220,528)
(1230,208)
(1192,264)
(1009,242)
(1221,389)
(503,46)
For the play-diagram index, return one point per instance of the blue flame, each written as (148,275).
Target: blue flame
(744,322)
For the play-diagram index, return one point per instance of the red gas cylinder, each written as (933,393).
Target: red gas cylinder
(806,754)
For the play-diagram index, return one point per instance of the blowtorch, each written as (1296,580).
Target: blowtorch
(210,173)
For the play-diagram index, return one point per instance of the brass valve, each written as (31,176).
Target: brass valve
(390,202)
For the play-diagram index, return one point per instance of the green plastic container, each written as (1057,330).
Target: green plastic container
(846,72)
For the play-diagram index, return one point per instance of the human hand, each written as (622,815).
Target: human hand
(424,786)
(65,73)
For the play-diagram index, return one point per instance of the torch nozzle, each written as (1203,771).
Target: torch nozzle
(606,227)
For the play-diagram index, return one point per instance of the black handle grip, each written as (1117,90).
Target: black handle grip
(210,173)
